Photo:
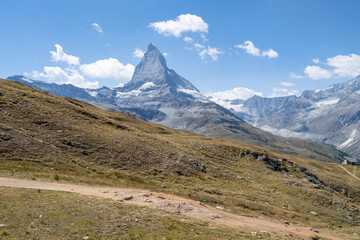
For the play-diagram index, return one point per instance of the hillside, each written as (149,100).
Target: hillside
(47,137)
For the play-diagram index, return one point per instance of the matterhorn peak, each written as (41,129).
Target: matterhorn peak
(152,47)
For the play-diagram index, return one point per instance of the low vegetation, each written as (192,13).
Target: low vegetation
(46,137)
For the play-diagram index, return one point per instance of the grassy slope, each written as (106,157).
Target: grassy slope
(64,139)
(32,215)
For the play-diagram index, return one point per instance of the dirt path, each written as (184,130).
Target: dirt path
(176,204)
(348,172)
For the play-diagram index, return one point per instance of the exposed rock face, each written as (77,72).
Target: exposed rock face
(329,116)
(259,107)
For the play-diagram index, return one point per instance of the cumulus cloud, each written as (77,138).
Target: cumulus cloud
(199,46)
(287,84)
(250,48)
(282,92)
(64,76)
(316,60)
(183,23)
(236,93)
(270,54)
(97,27)
(188,39)
(345,65)
(295,76)
(109,68)
(61,56)
(210,51)
(75,73)
(165,54)
(138,53)
(317,73)
(338,66)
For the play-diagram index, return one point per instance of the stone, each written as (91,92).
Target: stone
(199,166)
(303,169)
(314,213)
(127,198)
(255,154)
(5,137)
(263,157)
(353,209)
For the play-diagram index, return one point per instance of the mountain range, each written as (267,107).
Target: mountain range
(329,115)
(158,94)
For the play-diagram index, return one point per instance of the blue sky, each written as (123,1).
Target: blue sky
(314,43)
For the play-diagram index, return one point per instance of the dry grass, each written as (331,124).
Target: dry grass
(28,214)
(60,139)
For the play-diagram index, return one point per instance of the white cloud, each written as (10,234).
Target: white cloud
(204,38)
(198,46)
(338,66)
(270,53)
(67,76)
(345,65)
(138,53)
(282,92)
(287,84)
(183,23)
(188,39)
(61,56)
(210,51)
(250,48)
(317,73)
(97,27)
(236,93)
(109,68)
(295,76)
(165,54)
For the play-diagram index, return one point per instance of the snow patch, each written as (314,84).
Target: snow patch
(228,105)
(92,93)
(326,103)
(147,85)
(27,80)
(349,141)
(128,94)
(288,133)
(198,96)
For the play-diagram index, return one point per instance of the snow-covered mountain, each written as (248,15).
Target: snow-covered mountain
(158,94)
(329,116)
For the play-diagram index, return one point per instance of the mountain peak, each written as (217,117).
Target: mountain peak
(152,47)
(153,70)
